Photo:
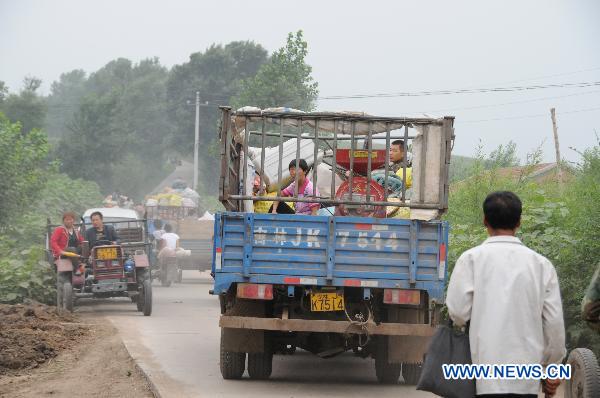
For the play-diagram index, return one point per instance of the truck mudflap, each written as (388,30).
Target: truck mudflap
(308,325)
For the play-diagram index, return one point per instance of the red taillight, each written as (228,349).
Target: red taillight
(402,296)
(255,291)
(442,252)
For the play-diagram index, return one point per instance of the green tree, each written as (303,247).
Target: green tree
(27,107)
(63,101)
(216,73)
(3,92)
(119,130)
(503,156)
(96,141)
(283,81)
(21,157)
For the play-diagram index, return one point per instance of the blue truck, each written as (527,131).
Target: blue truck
(369,280)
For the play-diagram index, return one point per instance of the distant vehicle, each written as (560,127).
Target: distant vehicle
(111,270)
(112,214)
(368,277)
(195,234)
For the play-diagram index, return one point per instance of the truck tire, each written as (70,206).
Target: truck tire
(260,365)
(387,373)
(67,299)
(139,301)
(232,364)
(147,302)
(585,375)
(411,373)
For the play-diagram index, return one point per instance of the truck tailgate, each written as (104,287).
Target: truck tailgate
(332,248)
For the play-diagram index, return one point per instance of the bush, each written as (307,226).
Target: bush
(25,274)
(562,226)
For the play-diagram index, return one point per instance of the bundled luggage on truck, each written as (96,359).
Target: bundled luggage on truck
(179,207)
(366,274)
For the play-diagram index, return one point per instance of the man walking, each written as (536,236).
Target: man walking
(510,296)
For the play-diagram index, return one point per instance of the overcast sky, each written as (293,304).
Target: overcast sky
(355,47)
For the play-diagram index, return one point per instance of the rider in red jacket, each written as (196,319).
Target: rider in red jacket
(66,237)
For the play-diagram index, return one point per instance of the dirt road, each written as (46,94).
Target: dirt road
(179,348)
(97,365)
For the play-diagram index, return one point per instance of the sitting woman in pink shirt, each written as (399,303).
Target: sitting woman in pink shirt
(306,190)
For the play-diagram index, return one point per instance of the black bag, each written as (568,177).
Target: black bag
(447,346)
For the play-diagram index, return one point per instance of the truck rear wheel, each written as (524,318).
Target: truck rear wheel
(585,375)
(232,364)
(387,373)
(411,373)
(260,365)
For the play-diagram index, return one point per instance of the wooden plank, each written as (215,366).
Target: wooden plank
(304,325)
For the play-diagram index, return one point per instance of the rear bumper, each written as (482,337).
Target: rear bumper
(304,325)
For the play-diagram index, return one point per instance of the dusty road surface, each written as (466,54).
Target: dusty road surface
(94,364)
(178,348)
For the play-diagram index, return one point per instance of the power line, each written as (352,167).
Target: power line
(510,103)
(528,116)
(462,91)
(545,76)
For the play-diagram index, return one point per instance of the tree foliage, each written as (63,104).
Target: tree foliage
(30,191)
(64,100)
(118,132)
(216,74)
(26,107)
(21,157)
(283,81)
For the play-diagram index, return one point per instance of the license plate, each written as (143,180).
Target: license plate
(106,253)
(327,302)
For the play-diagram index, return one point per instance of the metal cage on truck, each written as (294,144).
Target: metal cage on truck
(373,285)
(431,141)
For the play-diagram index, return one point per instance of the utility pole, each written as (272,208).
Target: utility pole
(196,141)
(557,148)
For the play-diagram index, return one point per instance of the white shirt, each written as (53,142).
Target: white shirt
(158,234)
(511,296)
(170,240)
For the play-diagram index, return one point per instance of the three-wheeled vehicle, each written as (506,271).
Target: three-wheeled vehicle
(110,270)
(195,235)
